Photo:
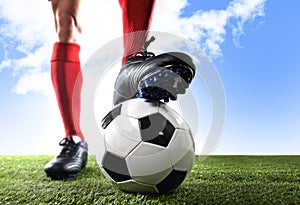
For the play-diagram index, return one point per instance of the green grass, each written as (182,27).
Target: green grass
(217,180)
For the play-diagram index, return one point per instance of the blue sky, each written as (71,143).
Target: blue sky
(262,81)
(258,65)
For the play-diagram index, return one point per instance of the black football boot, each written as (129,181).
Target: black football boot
(160,77)
(72,158)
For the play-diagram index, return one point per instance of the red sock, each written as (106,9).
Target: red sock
(136,15)
(66,74)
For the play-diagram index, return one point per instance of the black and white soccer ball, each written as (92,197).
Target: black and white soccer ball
(148,147)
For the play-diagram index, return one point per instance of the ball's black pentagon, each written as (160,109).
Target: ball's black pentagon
(171,182)
(115,167)
(156,129)
(111,116)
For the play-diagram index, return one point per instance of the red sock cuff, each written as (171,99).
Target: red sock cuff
(134,43)
(65,52)
(136,17)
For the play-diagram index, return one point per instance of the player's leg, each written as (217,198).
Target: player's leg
(136,16)
(67,81)
(65,64)
(143,74)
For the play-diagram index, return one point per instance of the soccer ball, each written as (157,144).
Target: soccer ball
(148,147)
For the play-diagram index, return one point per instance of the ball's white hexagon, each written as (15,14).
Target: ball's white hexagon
(139,107)
(146,149)
(149,163)
(115,166)
(133,186)
(180,144)
(154,178)
(122,135)
(174,118)
(186,162)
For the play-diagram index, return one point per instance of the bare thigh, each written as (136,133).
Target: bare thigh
(66,19)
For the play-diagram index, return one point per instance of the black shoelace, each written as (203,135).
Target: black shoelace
(146,54)
(147,43)
(69,148)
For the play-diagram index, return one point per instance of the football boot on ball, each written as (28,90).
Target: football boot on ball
(160,77)
(72,158)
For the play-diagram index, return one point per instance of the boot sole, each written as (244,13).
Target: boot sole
(166,82)
(62,176)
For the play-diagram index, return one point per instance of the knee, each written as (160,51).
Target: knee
(67,27)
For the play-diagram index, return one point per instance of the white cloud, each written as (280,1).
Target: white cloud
(36,81)
(207,28)
(4,64)
(28,31)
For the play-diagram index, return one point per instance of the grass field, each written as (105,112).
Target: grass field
(217,180)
